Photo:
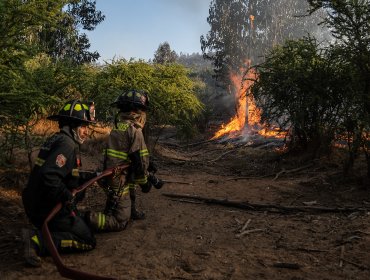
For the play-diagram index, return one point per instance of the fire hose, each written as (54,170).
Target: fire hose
(65,271)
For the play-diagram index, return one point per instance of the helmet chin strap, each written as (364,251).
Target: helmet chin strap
(142,118)
(76,135)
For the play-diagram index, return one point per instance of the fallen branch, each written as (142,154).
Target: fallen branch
(249,177)
(264,207)
(246,225)
(363,232)
(292,170)
(176,182)
(308,250)
(349,239)
(356,264)
(287,265)
(213,160)
(248,232)
(341,258)
(198,143)
(238,221)
(284,171)
(187,201)
(205,151)
(302,249)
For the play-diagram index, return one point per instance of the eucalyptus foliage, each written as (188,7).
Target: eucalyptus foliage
(247,29)
(66,40)
(164,54)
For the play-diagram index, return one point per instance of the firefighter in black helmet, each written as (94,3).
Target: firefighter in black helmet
(125,144)
(53,177)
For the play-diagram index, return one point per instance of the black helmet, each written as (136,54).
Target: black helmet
(131,100)
(74,112)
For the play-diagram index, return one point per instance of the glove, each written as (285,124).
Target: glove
(156,182)
(111,205)
(71,205)
(152,166)
(145,188)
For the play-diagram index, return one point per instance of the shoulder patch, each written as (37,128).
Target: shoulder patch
(60,160)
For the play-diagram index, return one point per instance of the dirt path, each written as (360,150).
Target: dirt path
(187,239)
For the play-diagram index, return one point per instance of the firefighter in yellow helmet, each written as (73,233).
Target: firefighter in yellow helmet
(125,144)
(52,180)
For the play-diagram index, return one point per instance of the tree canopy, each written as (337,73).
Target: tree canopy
(65,41)
(164,54)
(45,60)
(242,30)
(171,91)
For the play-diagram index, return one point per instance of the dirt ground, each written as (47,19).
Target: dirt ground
(184,238)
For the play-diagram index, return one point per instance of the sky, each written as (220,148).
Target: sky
(136,28)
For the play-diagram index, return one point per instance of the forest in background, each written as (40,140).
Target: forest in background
(312,60)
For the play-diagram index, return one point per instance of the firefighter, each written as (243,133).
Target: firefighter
(125,145)
(52,180)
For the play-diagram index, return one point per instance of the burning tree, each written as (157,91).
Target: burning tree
(241,32)
(247,115)
(227,42)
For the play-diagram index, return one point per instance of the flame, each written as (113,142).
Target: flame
(246,109)
(251,18)
(248,115)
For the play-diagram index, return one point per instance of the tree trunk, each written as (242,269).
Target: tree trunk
(353,152)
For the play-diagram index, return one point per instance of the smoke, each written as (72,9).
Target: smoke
(195,7)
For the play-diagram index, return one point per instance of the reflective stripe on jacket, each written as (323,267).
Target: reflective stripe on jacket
(126,144)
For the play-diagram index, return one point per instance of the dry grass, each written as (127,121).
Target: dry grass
(9,194)
(92,147)
(45,127)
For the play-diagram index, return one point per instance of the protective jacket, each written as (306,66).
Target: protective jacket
(125,144)
(53,177)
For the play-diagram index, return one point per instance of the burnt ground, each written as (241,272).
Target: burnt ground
(184,238)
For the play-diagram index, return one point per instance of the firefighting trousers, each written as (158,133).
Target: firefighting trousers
(70,234)
(115,219)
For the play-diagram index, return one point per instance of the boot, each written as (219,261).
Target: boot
(30,254)
(137,215)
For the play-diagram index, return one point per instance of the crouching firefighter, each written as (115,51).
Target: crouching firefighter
(125,145)
(52,180)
